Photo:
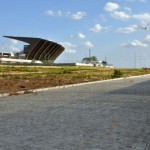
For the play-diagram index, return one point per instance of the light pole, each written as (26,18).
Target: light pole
(89,55)
(146,28)
(140,57)
(134,60)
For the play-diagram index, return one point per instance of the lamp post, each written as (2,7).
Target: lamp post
(135,60)
(146,28)
(89,55)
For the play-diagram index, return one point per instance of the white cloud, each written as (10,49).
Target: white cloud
(96,28)
(126,12)
(14,42)
(136,0)
(134,44)
(52,13)
(59,13)
(69,47)
(128,9)
(120,15)
(129,29)
(13,48)
(49,13)
(81,36)
(126,30)
(147,38)
(9,46)
(78,15)
(142,17)
(88,44)
(111,6)
(68,13)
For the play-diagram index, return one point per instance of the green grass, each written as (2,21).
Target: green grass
(69,72)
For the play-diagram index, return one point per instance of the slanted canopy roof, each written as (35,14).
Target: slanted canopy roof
(40,49)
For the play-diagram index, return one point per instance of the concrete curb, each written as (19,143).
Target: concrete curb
(4,95)
(66,86)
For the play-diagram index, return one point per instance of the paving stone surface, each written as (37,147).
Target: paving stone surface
(112,115)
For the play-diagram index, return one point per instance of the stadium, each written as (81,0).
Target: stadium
(36,49)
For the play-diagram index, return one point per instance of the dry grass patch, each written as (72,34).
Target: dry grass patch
(17,78)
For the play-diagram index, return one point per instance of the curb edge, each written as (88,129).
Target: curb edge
(66,86)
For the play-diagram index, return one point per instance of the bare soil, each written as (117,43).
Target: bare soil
(14,85)
(14,79)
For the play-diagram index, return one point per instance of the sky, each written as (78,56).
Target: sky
(115,30)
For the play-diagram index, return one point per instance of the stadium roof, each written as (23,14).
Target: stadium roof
(40,49)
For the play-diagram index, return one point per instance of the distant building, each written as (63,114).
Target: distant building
(5,54)
(36,49)
(97,63)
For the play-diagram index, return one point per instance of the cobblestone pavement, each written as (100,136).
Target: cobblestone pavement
(112,115)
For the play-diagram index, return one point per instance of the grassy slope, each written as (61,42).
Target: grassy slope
(18,78)
(95,73)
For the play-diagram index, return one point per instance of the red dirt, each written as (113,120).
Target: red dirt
(15,85)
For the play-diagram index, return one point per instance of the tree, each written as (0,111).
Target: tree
(89,59)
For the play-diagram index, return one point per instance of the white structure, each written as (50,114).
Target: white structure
(12,60)
(99,63)
(5,54)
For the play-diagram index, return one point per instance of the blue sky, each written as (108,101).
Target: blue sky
(114,30)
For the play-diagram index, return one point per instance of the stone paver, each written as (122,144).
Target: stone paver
(112,115)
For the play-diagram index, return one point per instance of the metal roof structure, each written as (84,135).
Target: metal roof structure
(39,49)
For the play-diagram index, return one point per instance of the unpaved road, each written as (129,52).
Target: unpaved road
(112,115)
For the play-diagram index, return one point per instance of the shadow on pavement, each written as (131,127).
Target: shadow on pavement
(142,89)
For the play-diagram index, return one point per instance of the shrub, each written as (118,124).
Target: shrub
(117,74)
